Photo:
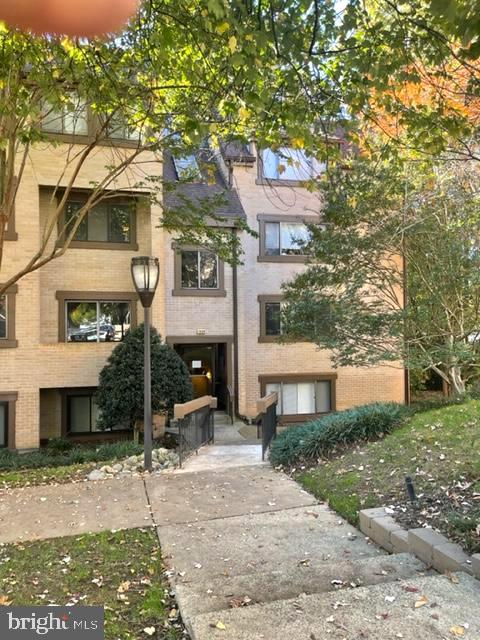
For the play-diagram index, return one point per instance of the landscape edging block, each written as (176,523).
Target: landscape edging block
(427,545)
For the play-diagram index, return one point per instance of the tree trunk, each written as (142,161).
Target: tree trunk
(457,384)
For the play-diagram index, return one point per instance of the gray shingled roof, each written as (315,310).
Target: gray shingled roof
(231,209)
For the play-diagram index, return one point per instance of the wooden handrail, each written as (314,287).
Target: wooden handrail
(182,410)
(266,401)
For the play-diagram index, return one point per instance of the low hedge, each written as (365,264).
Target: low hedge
(320,437)
(57,455)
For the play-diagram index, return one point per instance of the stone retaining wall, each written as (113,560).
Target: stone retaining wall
(428,545)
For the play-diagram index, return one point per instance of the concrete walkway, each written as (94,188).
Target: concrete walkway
(252,556)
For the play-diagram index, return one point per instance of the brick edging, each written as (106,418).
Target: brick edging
(426,544)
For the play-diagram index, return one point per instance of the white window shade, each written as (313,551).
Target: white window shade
(302,398)
(306,397)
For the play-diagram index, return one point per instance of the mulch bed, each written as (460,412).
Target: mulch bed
(453,510)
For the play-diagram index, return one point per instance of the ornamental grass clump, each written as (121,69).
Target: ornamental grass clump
(319,438)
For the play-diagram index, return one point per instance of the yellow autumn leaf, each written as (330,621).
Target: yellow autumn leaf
(223,27)
(220,626)
(248,36)
(243,113)
(4,601)
(232,43)
(457,631)
(421,602)
(124,586)
(297,143)
(67,44)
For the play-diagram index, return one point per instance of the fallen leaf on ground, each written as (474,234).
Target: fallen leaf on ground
(220,625)
(4,601)
(240,602)
(149,631)
(124,586)
(411,589)
(421,602)
(457,631)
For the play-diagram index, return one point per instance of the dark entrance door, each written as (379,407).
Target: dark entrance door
(207,364)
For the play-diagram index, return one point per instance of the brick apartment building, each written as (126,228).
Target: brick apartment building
(59,324)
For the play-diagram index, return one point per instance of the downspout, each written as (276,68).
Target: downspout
(235,331)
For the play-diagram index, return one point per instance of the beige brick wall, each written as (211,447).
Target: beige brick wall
(41,364)
(354,386)
(185,315)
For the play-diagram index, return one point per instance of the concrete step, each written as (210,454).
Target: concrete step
(311,576)
(249,544)
(384,611)
(222,493)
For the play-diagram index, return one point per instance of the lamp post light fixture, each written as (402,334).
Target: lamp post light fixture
(145,274)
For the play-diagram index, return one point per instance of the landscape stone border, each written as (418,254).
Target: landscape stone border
(426,544)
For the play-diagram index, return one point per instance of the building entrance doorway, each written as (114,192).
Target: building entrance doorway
(208,367)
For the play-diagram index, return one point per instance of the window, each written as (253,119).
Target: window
(7,318)
(199,270)
(71,118)
(3,317)
(3,424)
(118,129)
(107,222)
(83,413)
(286,238)
(97,321)
(295,398)
(270,317)
(301,395)
(290,165)
(187,168)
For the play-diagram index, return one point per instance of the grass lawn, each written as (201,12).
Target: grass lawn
(12,478)
(122,571)
(439,449)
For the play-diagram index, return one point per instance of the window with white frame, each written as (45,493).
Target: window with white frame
(71,118)
(290,164)
(307,397)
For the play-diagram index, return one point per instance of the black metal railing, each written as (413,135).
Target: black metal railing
(267,420)
(193,423)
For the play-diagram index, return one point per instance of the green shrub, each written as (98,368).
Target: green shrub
(76,455)
(120,390)
(59,445)
(320,437)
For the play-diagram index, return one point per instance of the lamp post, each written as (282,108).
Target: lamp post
(145,273)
